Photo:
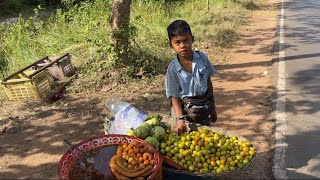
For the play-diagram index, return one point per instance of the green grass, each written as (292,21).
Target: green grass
(83,31)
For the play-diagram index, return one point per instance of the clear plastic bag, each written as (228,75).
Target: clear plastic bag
(125,116)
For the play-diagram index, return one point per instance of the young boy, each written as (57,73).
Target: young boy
(188,77)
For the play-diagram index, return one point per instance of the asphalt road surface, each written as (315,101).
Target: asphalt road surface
(299,90)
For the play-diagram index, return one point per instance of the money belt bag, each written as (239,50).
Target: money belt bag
(198,108)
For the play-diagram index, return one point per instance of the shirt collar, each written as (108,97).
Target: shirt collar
(177,63)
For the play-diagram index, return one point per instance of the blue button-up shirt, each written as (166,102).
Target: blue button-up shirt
(180,83)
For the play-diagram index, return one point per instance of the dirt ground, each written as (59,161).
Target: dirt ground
(32,133)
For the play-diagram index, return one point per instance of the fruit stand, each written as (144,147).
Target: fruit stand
(153,148)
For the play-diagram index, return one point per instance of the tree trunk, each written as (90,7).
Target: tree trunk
(120,27)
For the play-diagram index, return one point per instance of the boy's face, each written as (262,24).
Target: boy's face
(182,45)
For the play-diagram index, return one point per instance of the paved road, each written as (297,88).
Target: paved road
(300,121)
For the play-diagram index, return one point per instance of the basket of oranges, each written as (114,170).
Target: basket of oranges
(115,157)
(135,160)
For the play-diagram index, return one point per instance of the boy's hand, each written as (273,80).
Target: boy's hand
(182,127)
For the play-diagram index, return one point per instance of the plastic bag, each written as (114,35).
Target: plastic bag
(125,116)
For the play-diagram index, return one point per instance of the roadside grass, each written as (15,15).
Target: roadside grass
(83,31)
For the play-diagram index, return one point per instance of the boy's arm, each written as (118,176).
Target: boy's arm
(210,87)
(172,92)
(176,103)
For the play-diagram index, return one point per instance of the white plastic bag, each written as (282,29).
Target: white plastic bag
(125,116)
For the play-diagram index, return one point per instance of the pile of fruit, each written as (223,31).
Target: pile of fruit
(201,151)
(151,130)
(132,161)
(206,151)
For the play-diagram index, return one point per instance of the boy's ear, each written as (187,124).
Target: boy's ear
(192,39)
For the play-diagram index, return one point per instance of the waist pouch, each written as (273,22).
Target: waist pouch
(198,108)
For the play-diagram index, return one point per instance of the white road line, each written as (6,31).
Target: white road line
(279,167)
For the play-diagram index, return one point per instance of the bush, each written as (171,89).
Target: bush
(82,29)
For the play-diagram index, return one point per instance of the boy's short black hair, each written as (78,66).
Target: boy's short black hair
(178,27)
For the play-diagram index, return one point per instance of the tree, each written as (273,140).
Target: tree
(120,19)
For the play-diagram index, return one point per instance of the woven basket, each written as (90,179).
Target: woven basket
(208,175)
(224,175)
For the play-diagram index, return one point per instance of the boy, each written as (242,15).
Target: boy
(188,80)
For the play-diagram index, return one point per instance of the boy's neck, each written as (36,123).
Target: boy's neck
(185,59)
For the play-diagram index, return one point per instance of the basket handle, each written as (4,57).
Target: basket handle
(23,69)
(48,65)
(23,75)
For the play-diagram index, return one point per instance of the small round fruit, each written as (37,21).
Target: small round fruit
(146,162)
(245,161)
(191,168)
(163,145)
(219,170)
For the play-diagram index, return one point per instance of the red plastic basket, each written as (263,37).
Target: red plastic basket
(100,141)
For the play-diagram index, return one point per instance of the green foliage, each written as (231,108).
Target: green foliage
(82,29)
(10,6)
(74,31)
